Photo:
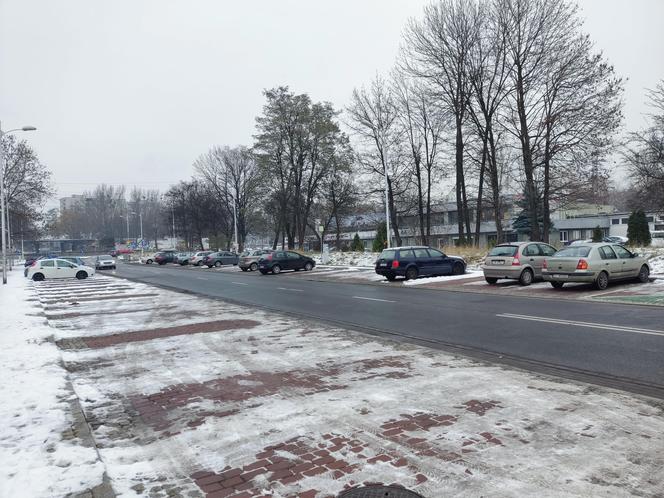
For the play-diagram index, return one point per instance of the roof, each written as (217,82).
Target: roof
(582,223)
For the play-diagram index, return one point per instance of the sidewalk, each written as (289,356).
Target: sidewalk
(189,396)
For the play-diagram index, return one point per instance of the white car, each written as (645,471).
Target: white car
(105,261)
(198,258)
(147,260)
(45,269)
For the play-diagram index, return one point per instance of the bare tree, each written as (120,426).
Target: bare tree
(373,118)
(438,49)
(423,124)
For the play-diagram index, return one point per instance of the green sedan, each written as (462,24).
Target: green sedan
(595,263)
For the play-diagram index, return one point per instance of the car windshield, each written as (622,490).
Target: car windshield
(387,254)
(503,251)
(106,256)
(573,252)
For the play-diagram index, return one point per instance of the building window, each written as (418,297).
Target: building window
(650,219)
(564,236)
(623,221)
(659,227)
(615,221)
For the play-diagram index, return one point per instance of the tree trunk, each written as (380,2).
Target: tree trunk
(480,188)
(460,188)
(495,189)
(393,213)
(528,167)
(420,201)
(546,222)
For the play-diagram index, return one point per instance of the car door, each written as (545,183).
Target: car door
(295,260)
(547,251)
(534,258)
(48,268)
(440,263)
(610,262)
(423,262)
(65,269)
(630,265)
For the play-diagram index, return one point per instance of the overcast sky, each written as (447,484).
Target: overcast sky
(132,91)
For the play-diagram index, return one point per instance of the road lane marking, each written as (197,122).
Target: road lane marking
(202,278)
(240,283)
(374,299)
(604,326)
(289,289)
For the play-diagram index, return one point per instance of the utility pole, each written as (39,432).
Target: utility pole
(387,197)
(173,219)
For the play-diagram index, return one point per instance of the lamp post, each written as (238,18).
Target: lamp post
(3,207)
(140,217)
(387,198)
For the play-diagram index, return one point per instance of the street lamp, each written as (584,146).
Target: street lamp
(140,217)
(3,207)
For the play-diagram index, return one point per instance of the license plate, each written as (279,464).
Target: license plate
(382,264)
(497,262)
(558,275)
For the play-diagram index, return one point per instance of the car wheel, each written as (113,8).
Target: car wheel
(148,262)
(81,275)
(38,277)
(557,285)
(276,269)
(308,266)
(217,264)
(199,263)
(411,273)
(458,269)
(644,275)
(602,281)
(113,268)
(391,278)
(526,277)
(491,280)
(253,267)
(243,269)
(264,272)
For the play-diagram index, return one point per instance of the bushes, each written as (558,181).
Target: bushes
(357,244)
(638,231)
(380,242)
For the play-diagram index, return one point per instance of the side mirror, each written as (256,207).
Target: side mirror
(635,254)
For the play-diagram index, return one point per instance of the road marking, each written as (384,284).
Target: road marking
(202,278)
(288,289)
(374,299)
(240,283)
(604,326)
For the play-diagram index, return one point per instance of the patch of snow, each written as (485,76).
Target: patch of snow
(34,408)
(443,278)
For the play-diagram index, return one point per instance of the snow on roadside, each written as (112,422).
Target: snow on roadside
(35,460)
(444,278)
(353,258)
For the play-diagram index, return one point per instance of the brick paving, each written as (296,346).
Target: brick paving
(273,407)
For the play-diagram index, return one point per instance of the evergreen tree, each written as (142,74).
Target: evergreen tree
(638,231)
(380,242)
(598,234)
(521,222)
(357,244)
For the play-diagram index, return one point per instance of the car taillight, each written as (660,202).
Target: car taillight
(268,256)
(582,265)
(515,261)
(395,264)
(544,265)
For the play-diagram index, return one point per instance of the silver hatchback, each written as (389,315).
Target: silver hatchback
(520,261)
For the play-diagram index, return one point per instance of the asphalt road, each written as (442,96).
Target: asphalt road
(620,346)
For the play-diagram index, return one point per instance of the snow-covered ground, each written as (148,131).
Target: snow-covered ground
(444,278)
(35,460)
(227,396)
(358,259)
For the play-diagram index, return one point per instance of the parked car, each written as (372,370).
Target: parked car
(249,259)
(76,260)
(182,258)
(616,239)
(198,259)
(148,259)
(411,262)
(598,263)
(44,269)
(520,261)
(277,261)
(105,261)
(163,257)
(221,258)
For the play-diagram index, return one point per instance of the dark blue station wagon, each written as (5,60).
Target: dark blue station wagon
(417,261)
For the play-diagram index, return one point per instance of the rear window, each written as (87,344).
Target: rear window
(388,254)
(106,256)
(573,252)
(503,251)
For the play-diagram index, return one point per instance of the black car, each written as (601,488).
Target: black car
(417,261)
(278,261)
(221,258)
